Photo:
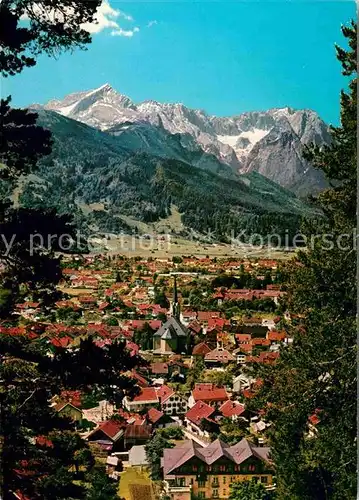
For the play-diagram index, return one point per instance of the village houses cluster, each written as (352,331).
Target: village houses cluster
(201,326)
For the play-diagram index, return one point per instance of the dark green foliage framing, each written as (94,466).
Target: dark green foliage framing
(29,27)
(316,376)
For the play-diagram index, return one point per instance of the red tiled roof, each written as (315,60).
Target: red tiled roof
(267,263)
(314,419)
(243,337)
(26,305)
(138,431)
(176,457)
(232,408)
(201,349)
(87,299)
(276,336)
(220,355)
(144,307)
(132,347)
(103,305)
(146,394)
(189,314)
(164,392)
(73,397)
(15,330)
(69,271)
(111,428)
(218,323)
(44,441)
(66,303)
(209,392)
(245,348)
(130,418)
(61,341)
(195,326)
(154,415)
(155,324)
(259,341)
(263,357)
(207,315)
(159,368)
(199,411)
(141,381)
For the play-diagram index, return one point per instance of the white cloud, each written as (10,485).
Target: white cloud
(125,16)
(127,33)
(152,23)
(107,17)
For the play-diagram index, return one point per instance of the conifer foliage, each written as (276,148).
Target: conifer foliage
(310,394)
(29,27)
(41,452)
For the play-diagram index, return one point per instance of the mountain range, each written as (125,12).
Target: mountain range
(115,164)
(269,142)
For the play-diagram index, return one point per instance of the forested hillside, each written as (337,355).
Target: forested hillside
(89,167)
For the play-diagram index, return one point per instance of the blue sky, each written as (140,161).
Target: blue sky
(223,57)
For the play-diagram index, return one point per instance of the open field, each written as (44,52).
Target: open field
(171,223)
(131,478)
(158,239)
(75,292)
(131,246)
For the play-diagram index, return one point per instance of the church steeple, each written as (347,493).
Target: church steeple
(175,304)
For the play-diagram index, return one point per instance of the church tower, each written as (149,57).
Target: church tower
(175,309)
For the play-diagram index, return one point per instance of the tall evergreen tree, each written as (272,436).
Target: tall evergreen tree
(30,27)
(38,447)
(310,394)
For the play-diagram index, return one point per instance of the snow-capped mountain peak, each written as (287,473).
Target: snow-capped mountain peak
(267,141)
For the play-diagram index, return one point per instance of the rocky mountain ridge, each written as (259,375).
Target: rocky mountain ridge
(103,179)
(269,142)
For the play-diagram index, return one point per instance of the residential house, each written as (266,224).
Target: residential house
(137,457)
(194,418)
(201,349)
(158,419)
(136,435)
(275,337)
(194,327)
(87,301)
(233,410)
(207,472)
(108,434)
(159,369)
(187,317)
(28,310)
(113,467)
(172,403)
(144,400)
(140,380)
(204,317)
(218,357)
(242,382)
(67,409)
(208,393)
(242,352)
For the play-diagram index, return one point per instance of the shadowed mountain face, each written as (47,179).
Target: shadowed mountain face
(142,171)
(269,142)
